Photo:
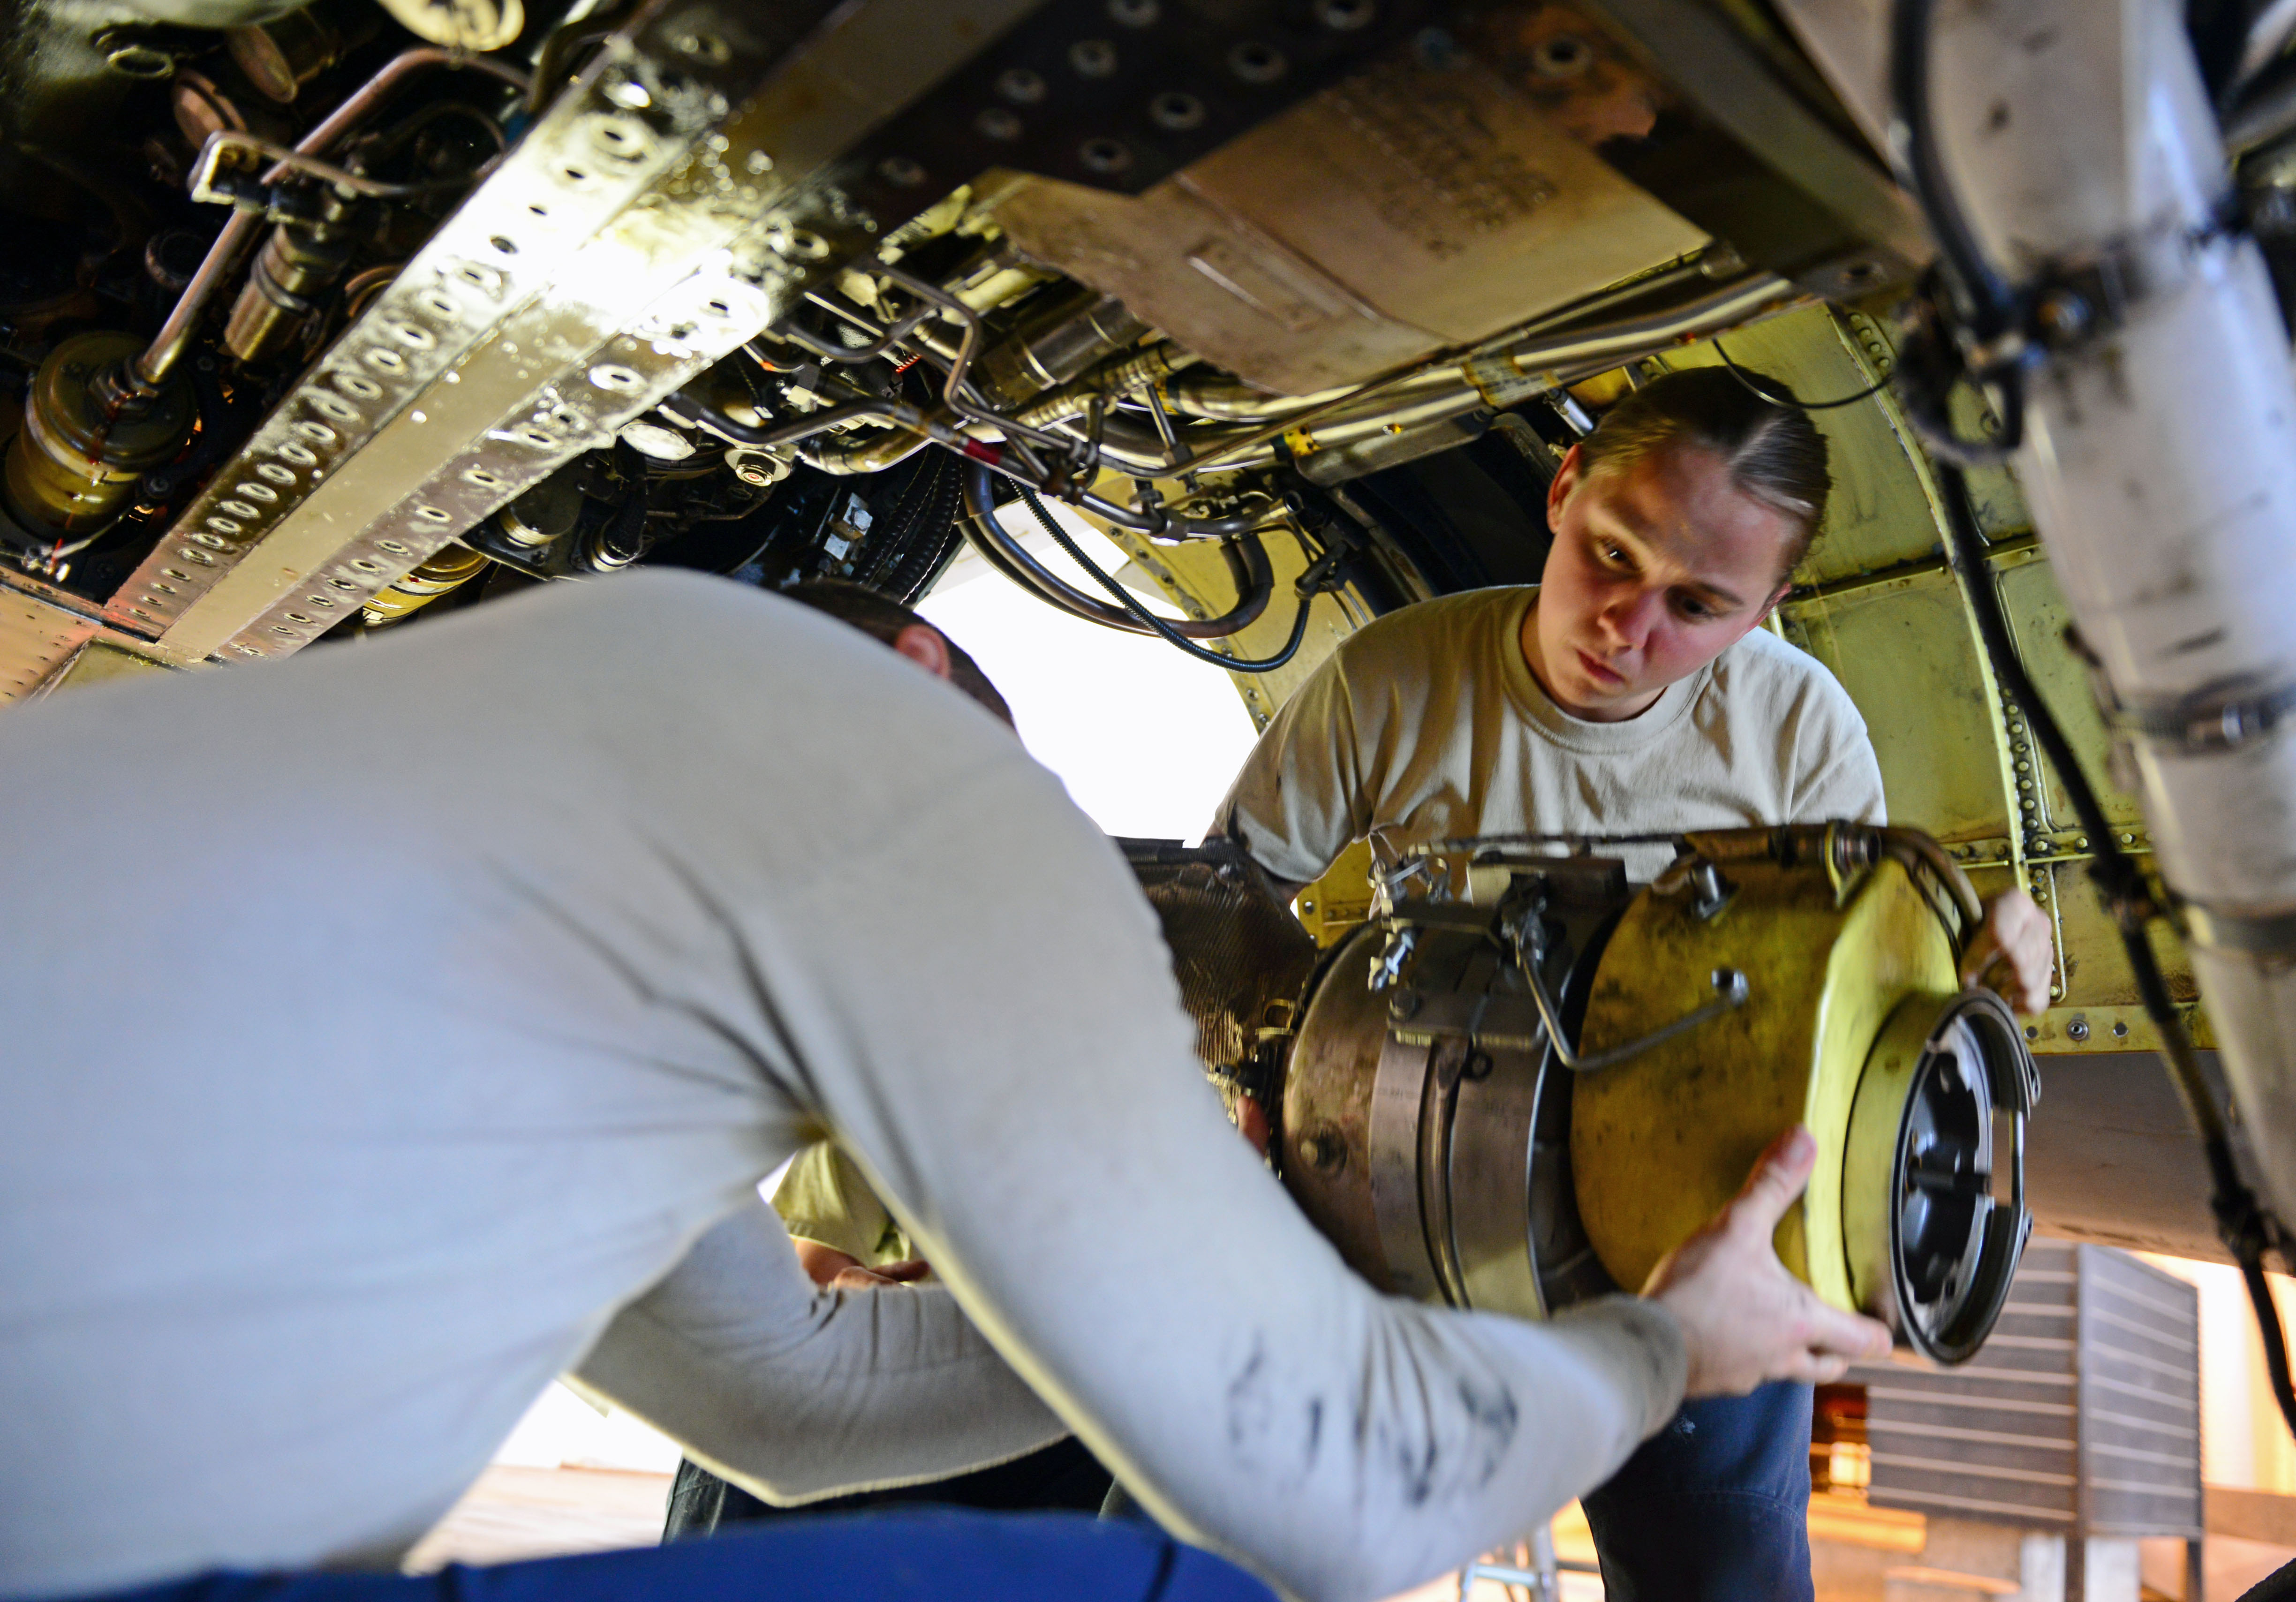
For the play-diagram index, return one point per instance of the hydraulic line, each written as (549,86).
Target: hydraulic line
(829,350)
(1604,345)
(1247,560)
(158,359)
(956,390)
(689,408)
(1118,375)
(2244,1227)
(1310,583)
(1224,399)
(2242,1224)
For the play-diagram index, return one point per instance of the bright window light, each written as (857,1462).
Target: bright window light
(1146,738)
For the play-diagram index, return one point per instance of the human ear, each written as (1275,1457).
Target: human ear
(923,646)
(1762,613)
(1566,479)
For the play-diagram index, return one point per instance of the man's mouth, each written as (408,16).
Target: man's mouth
(1595,670)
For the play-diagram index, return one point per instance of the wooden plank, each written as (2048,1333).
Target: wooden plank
(2265,1516)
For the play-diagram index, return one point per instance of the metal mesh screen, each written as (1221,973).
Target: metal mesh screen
(1240,958)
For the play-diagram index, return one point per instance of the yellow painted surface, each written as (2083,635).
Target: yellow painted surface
(1340,899)
(1824,973)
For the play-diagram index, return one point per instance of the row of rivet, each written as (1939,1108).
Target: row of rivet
(417,329)
(552,431)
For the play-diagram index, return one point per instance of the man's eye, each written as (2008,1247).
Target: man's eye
(1690,606)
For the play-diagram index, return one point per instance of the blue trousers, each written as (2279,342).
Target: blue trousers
(1714,1507)
(936,1555)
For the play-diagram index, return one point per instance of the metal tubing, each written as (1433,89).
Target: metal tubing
(956,390)
(286,159)
(1731,992)
(830,351)
(1224,399)
(1722,310)
(688,407)
(1415,401)
(151,369)
(873,454)
(1120,376)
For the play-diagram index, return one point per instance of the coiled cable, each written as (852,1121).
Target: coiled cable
(1247,560)
(1316,579)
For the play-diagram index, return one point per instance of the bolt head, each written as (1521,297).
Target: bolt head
(2064,314)
(1092,58)
(1020,85)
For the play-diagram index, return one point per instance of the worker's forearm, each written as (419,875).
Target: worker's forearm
(1038,1124)
(799,1393)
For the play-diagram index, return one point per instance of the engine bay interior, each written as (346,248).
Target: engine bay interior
(329,319)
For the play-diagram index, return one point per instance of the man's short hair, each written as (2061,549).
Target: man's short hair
(880,619)
(1774,453)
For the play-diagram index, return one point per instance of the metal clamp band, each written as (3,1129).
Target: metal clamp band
(2221,718)
(2259,933)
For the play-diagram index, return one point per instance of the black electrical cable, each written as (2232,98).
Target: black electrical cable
(920,531)
(1247,564)
(2242,1222)
(1994,306)
(1753,381)
(2242,1225)
(1131,602)
(1913,134)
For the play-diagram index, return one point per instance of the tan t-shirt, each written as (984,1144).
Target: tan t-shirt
(825,1197)
(1428,725)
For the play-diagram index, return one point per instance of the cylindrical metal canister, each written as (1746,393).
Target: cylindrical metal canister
(299,263)
(85,440)
(450,568)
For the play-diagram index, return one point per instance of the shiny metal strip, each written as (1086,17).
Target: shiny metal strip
(38,635)
(1489,1181)
(638,233)
(589,158)
(1396,1093)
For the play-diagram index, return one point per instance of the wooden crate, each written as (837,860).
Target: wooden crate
(2080,1415)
